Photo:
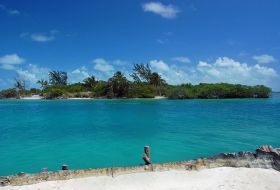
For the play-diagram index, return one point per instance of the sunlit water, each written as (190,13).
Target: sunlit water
(104,133)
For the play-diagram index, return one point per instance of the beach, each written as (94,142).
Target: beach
(33,97)
(224,178)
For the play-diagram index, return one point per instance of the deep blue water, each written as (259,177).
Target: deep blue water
(106,133)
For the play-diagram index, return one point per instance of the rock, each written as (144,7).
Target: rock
(270,153)
(268,150)
(264,157)
(4,181)
(21,174)
(248,155)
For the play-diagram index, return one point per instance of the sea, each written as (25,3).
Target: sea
(36,134)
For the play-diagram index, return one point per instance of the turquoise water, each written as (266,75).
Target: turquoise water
(105,133)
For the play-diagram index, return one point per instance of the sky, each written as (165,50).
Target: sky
(186,41)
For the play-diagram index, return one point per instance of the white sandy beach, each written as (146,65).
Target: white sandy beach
(208,179)
(33,97)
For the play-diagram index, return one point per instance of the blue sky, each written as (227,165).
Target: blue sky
(193,41)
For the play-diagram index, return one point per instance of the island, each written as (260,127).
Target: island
(144,83)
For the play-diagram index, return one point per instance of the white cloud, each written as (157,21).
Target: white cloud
(26,75)
(264,58)
(9,61)
(24,34)
(14,12)
(225,69)
(181,59)
(106,68)
(162,41)
(40,37)
(9,11)
(32,74)
(78,75)
(222,69)
(159,65)
(170,73)
(166,11)
(102,65)
(168,33)
(119,62)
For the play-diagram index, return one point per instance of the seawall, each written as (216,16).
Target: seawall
(264,157)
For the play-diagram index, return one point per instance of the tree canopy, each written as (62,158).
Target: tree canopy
(58,78)
(117,85)
(145,84)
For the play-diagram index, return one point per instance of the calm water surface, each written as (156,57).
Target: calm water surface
(105,133)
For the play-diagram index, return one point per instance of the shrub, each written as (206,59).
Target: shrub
(8,93)
(54,94)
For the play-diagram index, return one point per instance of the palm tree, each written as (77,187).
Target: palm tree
(142,73)
(157,82)
(43,83)
(90,82)
(19,85)
(58,78)
(118,84)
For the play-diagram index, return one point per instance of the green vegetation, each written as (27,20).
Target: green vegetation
(145,84)
(58,78)
(117,86)
(8,93)
(221,90)
(143,74)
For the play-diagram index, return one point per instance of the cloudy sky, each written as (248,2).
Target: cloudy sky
(195,41)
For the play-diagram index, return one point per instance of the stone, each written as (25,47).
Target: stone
(21,174)
(4,181)
(263,157)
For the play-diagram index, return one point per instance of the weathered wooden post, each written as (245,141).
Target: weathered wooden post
(147,155)
(21,174)
(64,167)
(44,170)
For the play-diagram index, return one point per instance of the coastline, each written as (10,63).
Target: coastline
(265,157)
(155,98)
(37,97)
(208,179)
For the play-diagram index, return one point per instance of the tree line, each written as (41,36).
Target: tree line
(145,84)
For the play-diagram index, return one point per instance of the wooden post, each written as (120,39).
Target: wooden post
(44,170)
(147,150)
(147,155)
(64,167)
(21,174)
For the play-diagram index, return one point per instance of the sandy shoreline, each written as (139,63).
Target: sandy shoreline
(33,97)
(225,178)
(37,97)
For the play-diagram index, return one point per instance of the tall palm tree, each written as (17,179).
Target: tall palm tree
(20,86)
(142,73)
(118,84)
(90,82)
(58,78)
(157,82)
(43,83)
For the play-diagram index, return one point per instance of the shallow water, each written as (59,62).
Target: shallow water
(104,133)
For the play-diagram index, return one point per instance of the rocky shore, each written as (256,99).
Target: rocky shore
(264,157)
